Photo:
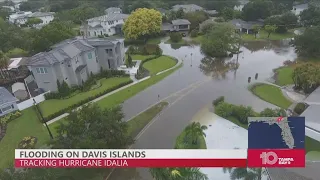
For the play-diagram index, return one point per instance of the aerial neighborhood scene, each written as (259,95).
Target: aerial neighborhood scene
(157,74)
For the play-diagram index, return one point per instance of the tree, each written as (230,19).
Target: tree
(177,174)
(270,29)
(179,14)
(306,44)
(245,173)
(93,127)
(220,41)
(220,5)
(140,4)
(194,130)
(79,14)
(142,23)
(306,77)
(51,34)
(4,13)
(310,16)
(17,52)
(175,37)
(129,60)
(31,5)
(255,10)
(227,13)
(33,21)
(256,29)
(283,22)
(196,18)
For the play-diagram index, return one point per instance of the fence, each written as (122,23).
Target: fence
(28,103)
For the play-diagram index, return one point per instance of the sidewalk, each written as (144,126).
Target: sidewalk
(106,95)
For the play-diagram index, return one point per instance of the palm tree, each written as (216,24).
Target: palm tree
(194,130)
(245,173)
(177,174)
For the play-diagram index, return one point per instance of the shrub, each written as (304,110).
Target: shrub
(147,49)
(194,33)
(224,109)
(242,113)
(28,142)
(300,107)
(175,37)
(9,117)
(218,100)
(100,36)
(206,27)
(268,112)
(219,19)
(288,63)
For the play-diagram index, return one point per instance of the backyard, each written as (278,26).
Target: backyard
(159,64)
(51,106)
(263,35)
(271,94)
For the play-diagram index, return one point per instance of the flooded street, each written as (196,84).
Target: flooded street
(195,85)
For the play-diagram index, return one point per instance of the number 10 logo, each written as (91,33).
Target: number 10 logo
(265,156)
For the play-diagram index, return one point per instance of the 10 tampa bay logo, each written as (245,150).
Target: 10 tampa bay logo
(271,158)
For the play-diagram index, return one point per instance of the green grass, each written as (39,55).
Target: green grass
(263,35)
(161,63)
(54,105)
(26,125)
(311,145)
(156,40)
(270,94)
(284,76)
(313,155)
(139,122)
(141,57)
(200,145)
(197,39)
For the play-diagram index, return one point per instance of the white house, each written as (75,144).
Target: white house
(108,24)
(21,18)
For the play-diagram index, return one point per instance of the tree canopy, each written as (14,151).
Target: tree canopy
(141,23)
(307,44)
(310,16)
(92,127)
(283,22)
(33,21)
(79,14)
(255,10)
(220,41)
(306,77)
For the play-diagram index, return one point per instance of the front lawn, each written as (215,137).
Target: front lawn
(26,125)
(159,64)
(263,35)
(197,39)
(271,94)
(283,75)
(141,57)
(51,106)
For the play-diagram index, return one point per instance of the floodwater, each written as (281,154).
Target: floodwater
(196,84)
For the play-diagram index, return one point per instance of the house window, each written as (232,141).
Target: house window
(101,32)
(5,109)
(109,30)
(89,55)
(77,60)
(95,34)
(42,70)
(116,20)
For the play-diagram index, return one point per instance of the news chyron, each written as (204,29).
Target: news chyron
(276,142)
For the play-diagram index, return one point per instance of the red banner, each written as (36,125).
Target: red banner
(121,163)
(276,158)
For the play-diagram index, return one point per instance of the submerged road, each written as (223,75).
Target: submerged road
(187,91)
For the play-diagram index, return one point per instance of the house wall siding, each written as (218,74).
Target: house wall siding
(92,64)
(15,107)
(45,81)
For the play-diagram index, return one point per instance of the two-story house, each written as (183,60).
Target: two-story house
(187,8)
(21,18)
(182,25)
(108,24)
(73,61)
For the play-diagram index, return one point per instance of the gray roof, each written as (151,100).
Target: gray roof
(310,172)
(312,113)
(212,12)
(64,50)
(6,96)
(102,41)
(112,10)
(187,7)
(180,22)
(239,23)
(110,17)
(166,26)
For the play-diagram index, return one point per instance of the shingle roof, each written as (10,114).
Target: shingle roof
(6,96)
(64,50)
(239,23)
(40,14)
(187,7)
(180,21)
(101,42)
(110,17)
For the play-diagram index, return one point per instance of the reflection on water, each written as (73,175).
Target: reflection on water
(217,67)
(176,46)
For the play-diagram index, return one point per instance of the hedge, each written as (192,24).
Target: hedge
(300,107)
(143,72)
(70,108)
